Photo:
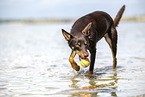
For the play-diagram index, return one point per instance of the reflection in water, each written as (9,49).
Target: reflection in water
(91,86)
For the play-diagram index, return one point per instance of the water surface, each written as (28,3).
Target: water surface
(34,63)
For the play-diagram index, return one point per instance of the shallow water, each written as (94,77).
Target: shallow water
(34,63)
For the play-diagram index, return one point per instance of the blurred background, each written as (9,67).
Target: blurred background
(34,54)
(66,9)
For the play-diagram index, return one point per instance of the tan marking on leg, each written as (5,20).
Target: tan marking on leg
(73,63)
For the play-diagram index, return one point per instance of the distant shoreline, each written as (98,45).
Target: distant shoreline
(36,20)
(135,18)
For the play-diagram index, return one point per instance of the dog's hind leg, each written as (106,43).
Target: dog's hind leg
(111,38)
(73,63)
(114,45)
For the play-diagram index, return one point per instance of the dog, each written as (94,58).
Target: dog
(87,31)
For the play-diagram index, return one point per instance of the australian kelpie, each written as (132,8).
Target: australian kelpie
(87,31)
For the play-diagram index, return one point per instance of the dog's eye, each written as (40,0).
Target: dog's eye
(85,43)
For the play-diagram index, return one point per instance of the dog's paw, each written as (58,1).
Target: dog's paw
(90,73)
(76,67)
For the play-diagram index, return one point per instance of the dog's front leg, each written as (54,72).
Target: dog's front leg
(92,57)
(73,63)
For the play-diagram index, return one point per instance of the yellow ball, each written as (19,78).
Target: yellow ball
(84,62)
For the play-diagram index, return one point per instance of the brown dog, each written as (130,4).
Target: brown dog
(87,31)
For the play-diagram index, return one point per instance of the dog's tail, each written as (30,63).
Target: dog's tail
(119,15)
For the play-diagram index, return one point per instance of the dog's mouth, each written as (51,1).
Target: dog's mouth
(80,58)
(82,55)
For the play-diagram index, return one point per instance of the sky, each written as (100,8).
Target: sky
(40,9)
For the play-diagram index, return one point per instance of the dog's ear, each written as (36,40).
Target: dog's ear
(87,28)
(67,35)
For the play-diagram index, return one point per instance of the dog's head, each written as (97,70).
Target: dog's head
(80,42)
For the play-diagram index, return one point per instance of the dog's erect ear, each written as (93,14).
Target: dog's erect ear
(67,35)
(87,28)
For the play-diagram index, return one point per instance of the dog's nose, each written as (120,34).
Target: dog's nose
(86,54)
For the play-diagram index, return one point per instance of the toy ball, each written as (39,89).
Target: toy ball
(84,62)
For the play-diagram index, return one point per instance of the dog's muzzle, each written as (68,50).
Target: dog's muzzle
(83,55)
